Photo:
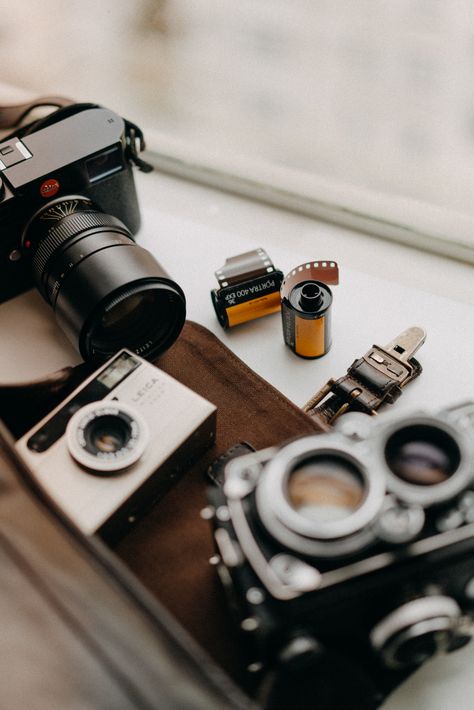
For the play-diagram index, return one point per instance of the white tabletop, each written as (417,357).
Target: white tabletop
(192,230)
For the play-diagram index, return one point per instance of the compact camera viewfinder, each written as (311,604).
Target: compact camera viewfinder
(117,443)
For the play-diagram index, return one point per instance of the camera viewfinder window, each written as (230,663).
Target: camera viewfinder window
(104,164)
(118,370)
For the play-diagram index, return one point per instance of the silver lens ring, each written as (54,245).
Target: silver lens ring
(288,525)
(107,436)
(426,494)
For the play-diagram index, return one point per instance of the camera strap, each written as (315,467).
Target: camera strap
(14,114)
(376,378)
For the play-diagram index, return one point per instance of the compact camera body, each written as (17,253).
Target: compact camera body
(356,544)
(85,154)
(117,443)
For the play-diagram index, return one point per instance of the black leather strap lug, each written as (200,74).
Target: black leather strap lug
(376,378)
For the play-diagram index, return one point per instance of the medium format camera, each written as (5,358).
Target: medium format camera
(68,212)
(357,543)
(117,443)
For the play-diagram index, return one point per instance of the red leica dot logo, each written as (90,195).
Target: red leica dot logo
(49,188)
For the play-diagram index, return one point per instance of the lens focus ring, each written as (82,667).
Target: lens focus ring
(69,227)
(106,291)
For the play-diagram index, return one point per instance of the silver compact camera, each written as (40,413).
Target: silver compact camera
(356,543)
(117,443)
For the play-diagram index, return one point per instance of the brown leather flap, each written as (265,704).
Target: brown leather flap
(169,549)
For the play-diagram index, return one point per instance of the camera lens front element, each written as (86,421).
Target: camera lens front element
(425,458)
(106,437)
(325,488)
(107,434)
(106,291)
(422,455)
(319,498)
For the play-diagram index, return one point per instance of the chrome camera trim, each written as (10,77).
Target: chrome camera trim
(428,495)
(299,533)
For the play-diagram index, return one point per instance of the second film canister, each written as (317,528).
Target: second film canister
(306,301)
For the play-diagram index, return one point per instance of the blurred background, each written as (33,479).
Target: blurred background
(372,93)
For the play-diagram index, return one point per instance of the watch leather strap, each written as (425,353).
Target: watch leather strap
(377,378)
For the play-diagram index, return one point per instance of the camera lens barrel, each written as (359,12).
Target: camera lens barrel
(106,291)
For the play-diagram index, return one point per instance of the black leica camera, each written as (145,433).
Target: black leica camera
(68,213)
(355,546)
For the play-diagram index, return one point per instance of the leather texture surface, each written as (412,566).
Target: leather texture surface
(169,549)
(77,632)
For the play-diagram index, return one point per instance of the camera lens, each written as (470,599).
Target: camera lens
(106,437)
(107,434)
(149,315)
(422,455)
(325,488)
(106,291)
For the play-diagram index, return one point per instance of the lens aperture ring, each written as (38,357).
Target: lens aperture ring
(69,227)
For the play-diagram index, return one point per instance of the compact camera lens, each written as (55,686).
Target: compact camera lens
(325,488)
(107,434)
(106,291)
(422,455)
(106,437)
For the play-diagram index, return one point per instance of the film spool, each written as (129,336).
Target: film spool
(306,301)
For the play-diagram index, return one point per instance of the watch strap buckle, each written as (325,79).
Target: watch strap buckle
(374,379)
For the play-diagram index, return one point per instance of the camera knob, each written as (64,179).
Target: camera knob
(418,630)
(300,652)
(399,523)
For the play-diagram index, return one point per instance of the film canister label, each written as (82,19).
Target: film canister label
(250,288)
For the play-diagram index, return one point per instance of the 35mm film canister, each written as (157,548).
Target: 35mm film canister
(249,288)
(306,301)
